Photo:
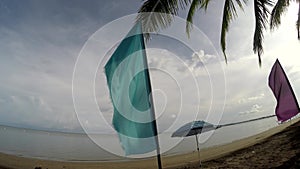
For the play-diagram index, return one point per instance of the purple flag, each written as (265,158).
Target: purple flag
(287,106)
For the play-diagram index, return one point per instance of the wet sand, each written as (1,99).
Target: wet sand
(278,147)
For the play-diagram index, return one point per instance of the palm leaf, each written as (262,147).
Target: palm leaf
(261,13)
(196,4)
(205,4)
(279,8)
(229,13)
(157,14)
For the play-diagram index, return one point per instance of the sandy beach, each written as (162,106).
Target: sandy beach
(275,148)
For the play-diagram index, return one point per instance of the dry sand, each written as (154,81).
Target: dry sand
(277,147)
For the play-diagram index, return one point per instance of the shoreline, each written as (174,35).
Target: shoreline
(170,162)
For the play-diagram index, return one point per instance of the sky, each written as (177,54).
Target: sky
(43,44)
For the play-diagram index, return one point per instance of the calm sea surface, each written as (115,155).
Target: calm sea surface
(79,147)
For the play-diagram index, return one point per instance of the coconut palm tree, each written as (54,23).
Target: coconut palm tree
(163,8)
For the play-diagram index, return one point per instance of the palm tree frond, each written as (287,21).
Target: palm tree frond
(261,13)
(241,3)
(196,4)
(229,13)
(155,15)
(205,4)
(279,8)
(184,3)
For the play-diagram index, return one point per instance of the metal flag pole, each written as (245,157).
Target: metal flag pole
(153,111)
(156,136)
(246,121)
(198,149)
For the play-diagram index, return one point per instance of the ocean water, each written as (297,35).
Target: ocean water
(79,147)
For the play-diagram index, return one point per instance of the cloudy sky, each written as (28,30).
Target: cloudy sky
(41,41)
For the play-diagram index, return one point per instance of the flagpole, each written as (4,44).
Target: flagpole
(198,150)
(152,110)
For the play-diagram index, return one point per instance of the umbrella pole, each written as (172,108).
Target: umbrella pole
(198,149)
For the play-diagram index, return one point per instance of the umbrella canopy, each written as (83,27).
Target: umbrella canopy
(193,128)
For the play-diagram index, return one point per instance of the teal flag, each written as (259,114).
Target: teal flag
(129,85)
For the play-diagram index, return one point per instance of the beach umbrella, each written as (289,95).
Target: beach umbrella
(193,129)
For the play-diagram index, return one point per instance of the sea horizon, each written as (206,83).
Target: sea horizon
(64,146)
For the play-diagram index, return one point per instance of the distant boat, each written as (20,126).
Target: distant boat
(287,106)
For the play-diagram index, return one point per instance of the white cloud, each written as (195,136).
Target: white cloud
(252,99)
(254,109)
